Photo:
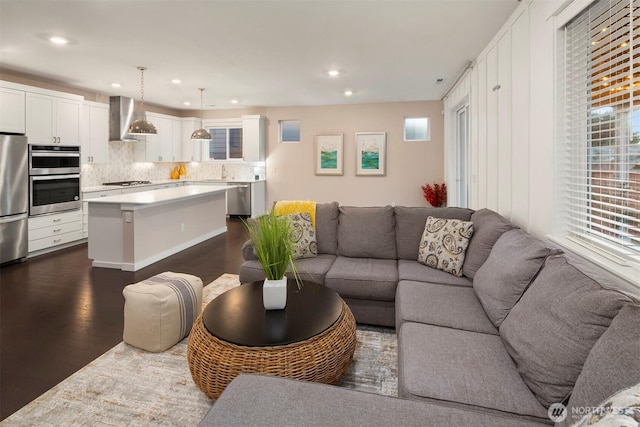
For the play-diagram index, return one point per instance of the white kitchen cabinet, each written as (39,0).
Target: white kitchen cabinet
(47,231)
(53,120)
(191,148)
(166,146)
(253,138)
(95,133)
(258,198)
(12,110)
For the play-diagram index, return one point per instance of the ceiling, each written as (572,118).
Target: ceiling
(262,53)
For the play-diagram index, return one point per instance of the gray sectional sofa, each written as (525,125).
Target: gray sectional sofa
(525,326)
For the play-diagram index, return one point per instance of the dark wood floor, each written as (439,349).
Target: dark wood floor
(57,313)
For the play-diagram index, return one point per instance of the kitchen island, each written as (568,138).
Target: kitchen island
(132,231)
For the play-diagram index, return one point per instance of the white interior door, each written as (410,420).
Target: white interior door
(462,156)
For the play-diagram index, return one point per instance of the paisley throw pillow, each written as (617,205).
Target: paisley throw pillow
(302,235)
(444,243)
(621,409)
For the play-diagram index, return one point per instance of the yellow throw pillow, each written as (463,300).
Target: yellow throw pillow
(284,207)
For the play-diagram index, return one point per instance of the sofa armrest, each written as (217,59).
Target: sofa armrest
(247,251)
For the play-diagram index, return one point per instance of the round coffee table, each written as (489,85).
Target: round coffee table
(313,338)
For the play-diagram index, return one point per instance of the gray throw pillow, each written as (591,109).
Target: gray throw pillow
(444,243)
(613,364)
(367,232)
(327,227)
(488,226)
(514,262)
(551,330)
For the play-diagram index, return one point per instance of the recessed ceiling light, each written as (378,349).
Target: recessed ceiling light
(234,101)
(58,40)
(348,92)
(187,103)
(176,81)
(115,84)
(333,73)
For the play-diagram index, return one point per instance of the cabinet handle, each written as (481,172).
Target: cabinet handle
(57,220)
(57,240)
(495,88)
(57,230)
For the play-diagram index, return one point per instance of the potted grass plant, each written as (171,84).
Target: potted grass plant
(270,235)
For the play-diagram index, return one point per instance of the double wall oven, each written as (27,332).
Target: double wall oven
(54,179)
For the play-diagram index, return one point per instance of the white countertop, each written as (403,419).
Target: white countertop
(166,181)
(143,199)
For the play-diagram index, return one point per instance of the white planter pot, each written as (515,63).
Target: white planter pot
(274,294)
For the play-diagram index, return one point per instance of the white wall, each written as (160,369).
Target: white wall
(512,127)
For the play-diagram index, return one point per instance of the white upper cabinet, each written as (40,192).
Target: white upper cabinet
(95,133)
(53,120)
(191,148)
(12,110)
(166,146)
(253,137)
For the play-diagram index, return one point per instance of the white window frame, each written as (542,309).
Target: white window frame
(428,133)
(221,124)
(600,251)
(280,126)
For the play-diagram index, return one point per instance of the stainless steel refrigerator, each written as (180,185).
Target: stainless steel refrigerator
(14,197)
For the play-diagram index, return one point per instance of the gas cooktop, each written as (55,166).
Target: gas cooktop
(126,183)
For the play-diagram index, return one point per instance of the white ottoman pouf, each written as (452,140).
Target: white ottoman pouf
(160,311)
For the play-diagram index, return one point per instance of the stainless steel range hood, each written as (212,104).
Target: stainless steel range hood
(120,117)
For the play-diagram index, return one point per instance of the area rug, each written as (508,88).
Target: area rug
(129,386)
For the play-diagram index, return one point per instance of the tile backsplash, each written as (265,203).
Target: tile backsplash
(122,167)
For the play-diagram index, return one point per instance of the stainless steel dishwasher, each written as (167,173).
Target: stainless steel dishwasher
(239,199)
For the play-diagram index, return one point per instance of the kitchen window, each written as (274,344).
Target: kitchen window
(226,139)
(598,147)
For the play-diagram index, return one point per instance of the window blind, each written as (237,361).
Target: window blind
(598,157)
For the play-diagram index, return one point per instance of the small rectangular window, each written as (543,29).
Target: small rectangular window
(416,129)
(289,131)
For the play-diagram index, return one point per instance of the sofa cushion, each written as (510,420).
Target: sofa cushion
(488,226)
(410,223)
(444,244)
(327,227)
(455,366)
(254,400)
(303,235)
(441,305)
(364,278)
(551,330)
(612,364)
(413,270)
(367,232)
(514,262)
(311,269)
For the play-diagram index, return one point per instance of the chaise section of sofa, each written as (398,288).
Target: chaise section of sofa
(252,400)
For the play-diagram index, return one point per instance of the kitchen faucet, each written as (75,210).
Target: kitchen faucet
(224,172)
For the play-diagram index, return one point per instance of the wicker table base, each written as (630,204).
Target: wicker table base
(323,358)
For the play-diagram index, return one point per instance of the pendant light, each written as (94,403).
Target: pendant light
(142,126)
(201,133)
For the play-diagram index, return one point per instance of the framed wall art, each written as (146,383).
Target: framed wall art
(329,154)
(371,153)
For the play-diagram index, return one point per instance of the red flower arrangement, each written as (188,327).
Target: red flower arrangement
(436,195)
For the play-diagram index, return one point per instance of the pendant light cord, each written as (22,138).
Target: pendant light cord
(141,87)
